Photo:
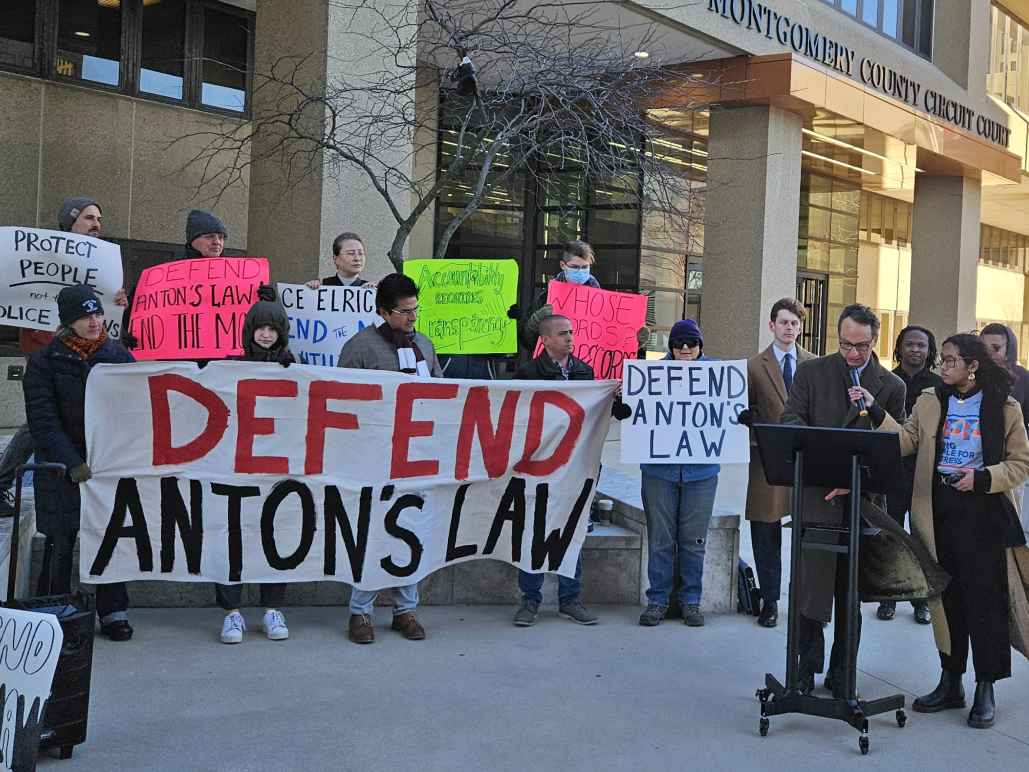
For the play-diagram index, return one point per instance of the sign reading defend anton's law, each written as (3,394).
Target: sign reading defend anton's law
(685,412)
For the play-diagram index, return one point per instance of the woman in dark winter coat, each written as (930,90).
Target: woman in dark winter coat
(972,452)
(265,339)
(55,401)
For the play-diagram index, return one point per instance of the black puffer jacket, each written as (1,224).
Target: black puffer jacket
(55,407)
(266,313)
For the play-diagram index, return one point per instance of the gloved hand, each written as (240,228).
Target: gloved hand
(643,335)
(80,473)
(285,362)
(514,312)
(746,417)
(620,410)
(266,292)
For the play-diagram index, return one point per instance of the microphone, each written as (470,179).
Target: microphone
(855,379)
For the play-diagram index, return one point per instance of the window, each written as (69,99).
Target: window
(909,22)
(18,34)
(1008,75)
(89,41)
(195,52)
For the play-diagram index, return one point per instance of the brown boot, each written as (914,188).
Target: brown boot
(407,624)
(361,629)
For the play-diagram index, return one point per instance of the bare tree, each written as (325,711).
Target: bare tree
(526,87)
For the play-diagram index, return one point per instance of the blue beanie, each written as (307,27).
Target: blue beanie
(685,328)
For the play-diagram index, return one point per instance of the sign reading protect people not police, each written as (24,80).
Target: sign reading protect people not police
(36,264)
(685,412)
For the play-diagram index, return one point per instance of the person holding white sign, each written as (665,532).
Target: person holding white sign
(348,256)
(677,502)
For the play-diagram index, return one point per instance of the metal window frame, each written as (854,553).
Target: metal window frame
(878,28)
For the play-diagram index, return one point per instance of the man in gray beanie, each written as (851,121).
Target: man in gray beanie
(205,234)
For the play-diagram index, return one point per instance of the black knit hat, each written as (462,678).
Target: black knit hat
(200,223)
(77,301)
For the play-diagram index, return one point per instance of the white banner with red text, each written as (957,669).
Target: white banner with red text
(251,472)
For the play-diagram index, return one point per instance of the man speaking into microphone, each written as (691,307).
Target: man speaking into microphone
(823,394)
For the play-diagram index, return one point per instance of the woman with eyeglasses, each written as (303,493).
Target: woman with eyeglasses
(972,452)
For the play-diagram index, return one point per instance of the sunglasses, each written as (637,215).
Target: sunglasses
(685,342)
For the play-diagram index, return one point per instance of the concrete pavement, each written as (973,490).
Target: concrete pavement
(482,694)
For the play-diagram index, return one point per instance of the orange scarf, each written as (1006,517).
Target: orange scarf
(84,348)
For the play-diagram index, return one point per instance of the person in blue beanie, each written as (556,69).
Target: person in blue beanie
(677,501)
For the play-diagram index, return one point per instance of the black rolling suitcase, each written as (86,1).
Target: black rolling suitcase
(64,725)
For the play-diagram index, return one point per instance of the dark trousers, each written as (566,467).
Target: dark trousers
(969,547)
(112,600)
(812,638)
(230,595)
(766,539)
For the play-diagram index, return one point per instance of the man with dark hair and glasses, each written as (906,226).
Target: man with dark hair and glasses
(396,347)
(916,357)
(823,395)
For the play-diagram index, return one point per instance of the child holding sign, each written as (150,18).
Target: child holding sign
(265,339)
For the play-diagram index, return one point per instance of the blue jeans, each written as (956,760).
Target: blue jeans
(678,514)
(404,599)
(568,590)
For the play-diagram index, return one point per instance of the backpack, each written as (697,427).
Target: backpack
(748,599)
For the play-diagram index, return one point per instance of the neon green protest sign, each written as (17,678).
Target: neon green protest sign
(462,304)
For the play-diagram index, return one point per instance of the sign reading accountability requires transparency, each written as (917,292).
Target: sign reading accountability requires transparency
(685,412)
(604,324)
(194,309)
(35,265)
(463,304)
(322,320)
(249,472)
(31,647)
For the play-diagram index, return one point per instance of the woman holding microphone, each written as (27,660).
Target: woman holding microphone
(972,453)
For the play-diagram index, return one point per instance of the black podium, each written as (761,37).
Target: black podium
(857,459)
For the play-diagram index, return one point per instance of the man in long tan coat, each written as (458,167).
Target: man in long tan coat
(770,377)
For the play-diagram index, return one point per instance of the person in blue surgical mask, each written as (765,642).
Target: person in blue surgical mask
(576,268)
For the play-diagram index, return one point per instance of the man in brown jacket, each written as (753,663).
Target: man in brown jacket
(770,377)
(820,397)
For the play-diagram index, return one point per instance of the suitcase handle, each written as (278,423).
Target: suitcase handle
(12,568)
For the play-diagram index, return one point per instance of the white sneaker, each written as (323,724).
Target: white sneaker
(274,624)
(233,628)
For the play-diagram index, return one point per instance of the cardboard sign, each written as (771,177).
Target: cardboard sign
(685,412)
(194,309)
(322,320)
(463,304)
(31,646)
(35,265)
(250,472)
(604,324)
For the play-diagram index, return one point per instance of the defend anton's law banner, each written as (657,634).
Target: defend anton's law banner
(685,412)
(194,309)
(35,265)
(250,472)
(604,324)
(322,320)
(463,304)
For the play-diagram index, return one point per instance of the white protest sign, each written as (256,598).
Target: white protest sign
(246,471)
(322,320)
(30,645)
(685,412)
(35,265)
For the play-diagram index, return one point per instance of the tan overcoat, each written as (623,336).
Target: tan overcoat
(918,436)
(767,398)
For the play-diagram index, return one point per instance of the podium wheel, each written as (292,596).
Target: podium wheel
(762,727)
(863,744)
(902,718)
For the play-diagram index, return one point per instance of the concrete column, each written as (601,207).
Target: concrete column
(752,214)
(945,253)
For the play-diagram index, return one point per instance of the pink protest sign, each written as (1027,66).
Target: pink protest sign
(604,324)
(194,309)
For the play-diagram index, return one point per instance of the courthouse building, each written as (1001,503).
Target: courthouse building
(855,150)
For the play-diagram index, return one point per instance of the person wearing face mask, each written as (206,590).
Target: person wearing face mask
(55,397)
(677,502)
(265,339)
(348,255)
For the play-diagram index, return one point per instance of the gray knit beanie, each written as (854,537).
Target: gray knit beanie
(71,209)
(199,223)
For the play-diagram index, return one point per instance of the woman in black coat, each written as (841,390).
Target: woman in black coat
(55,401)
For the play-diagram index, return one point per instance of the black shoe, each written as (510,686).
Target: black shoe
(806,681)
(887,610)
(769,616)
(117,631)
(922,614)
(948,694)
(984,707)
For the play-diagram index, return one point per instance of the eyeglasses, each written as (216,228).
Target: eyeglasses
(684,342)
(949,362)
(861,348)
(410,313)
